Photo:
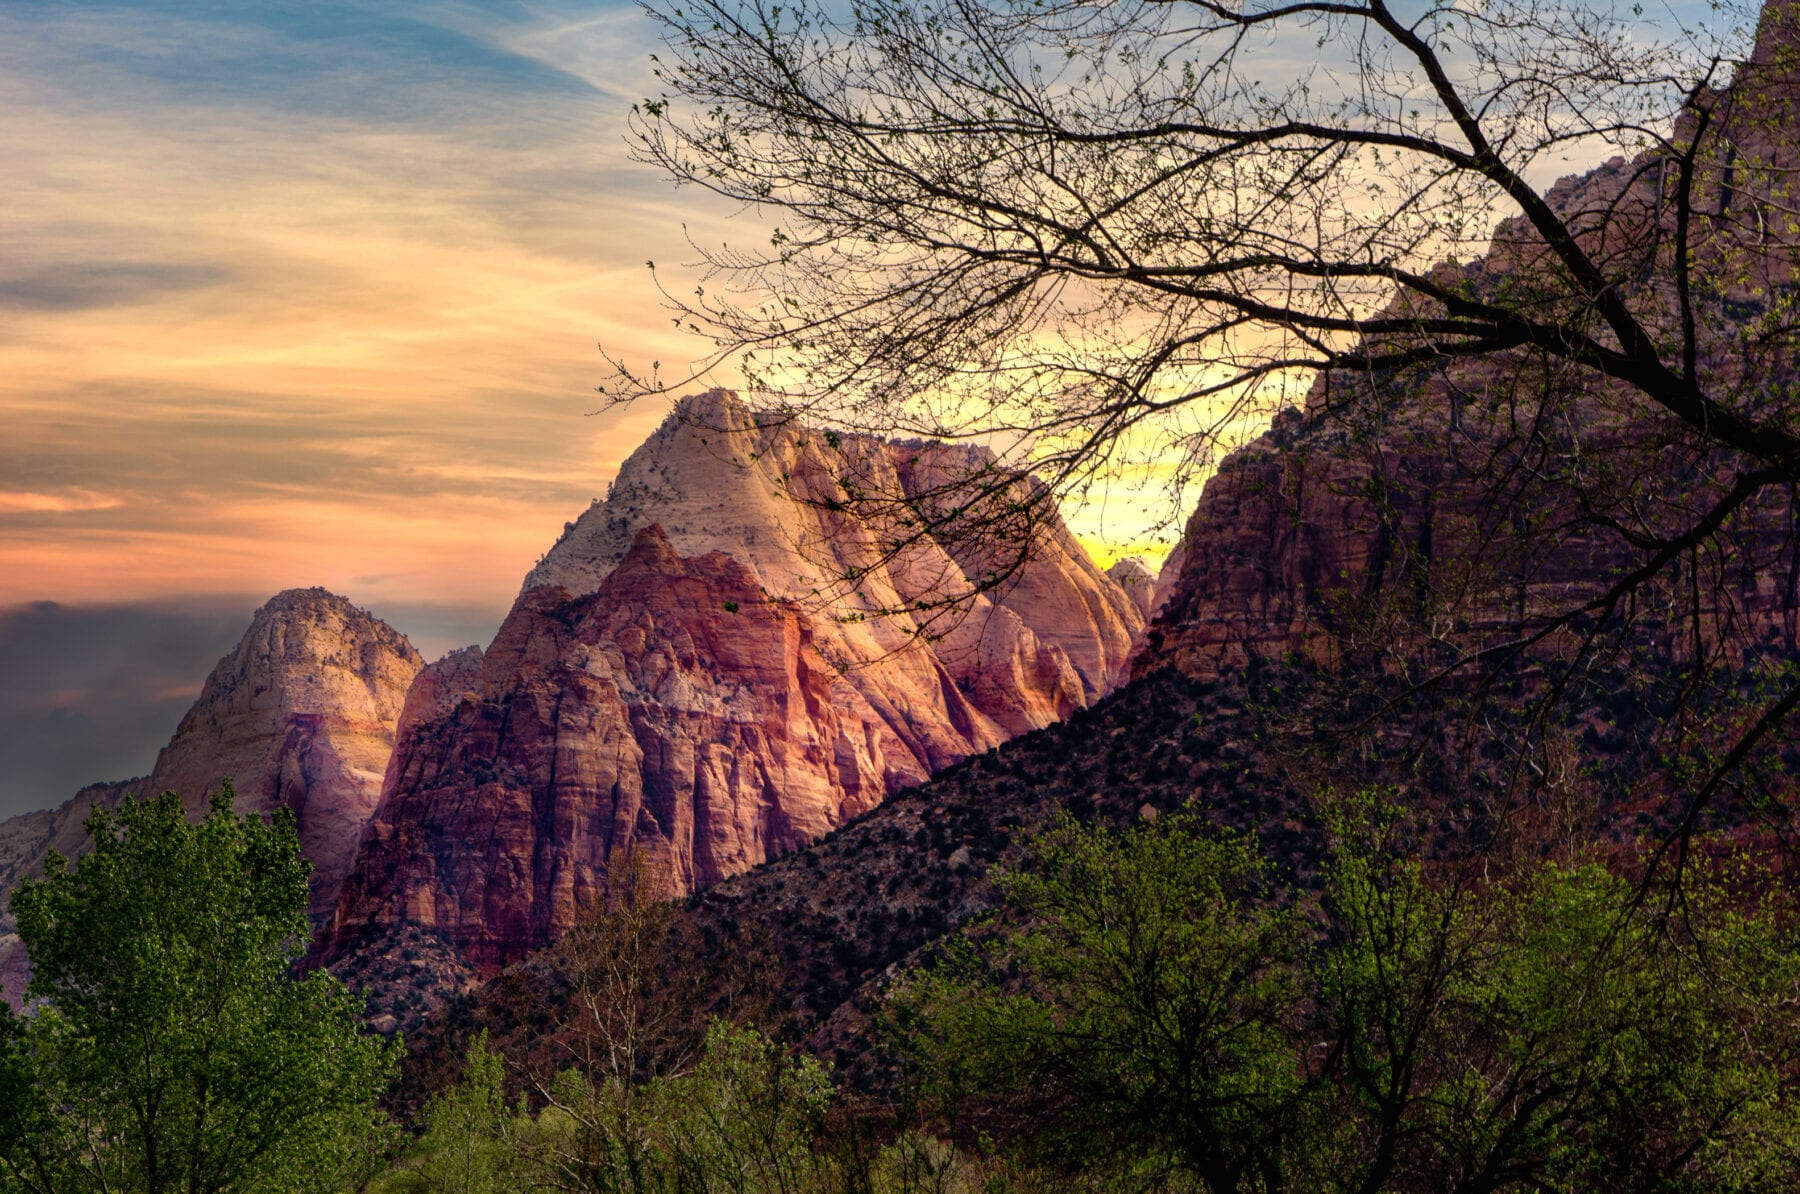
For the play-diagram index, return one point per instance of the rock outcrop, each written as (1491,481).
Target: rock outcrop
(300,714)
(1131,575)
(25,842)
(687,675)
(1452,508)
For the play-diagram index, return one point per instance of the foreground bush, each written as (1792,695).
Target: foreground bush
(749,1117)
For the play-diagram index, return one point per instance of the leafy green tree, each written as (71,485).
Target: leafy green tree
(1161,1016)
(1552,1030)
(746,1118)
(470,1143)
(171,1046)
(1145,1007)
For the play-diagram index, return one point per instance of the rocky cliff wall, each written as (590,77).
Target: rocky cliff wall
(1445,511)
(686,674)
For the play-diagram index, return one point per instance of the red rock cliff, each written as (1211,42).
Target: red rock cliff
(1452,508)
(680,677)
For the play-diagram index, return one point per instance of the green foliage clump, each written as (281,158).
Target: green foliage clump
(471,1135)
(1145,1010)
(171,1046)
(1553,1029)
(1160,1016)
(746,1117)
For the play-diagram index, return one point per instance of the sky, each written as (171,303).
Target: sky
(296,294)
(310,293)
(303,293)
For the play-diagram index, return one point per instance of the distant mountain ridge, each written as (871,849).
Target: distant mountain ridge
(1351,540)
(676,677)
(300,714)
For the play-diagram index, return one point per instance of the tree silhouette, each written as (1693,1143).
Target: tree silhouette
(1091,236)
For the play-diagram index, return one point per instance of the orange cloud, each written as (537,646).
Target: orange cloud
(252,341)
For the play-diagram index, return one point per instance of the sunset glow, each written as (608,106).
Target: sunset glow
(299,294)
(311,294)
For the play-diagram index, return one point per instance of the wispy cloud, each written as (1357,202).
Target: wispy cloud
(302,287)
(79,285)
(25,501)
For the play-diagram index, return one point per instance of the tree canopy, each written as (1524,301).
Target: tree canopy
(1146,1009)
(169,1045)
(1062,219)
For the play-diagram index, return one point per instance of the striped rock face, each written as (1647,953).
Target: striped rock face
(680,677)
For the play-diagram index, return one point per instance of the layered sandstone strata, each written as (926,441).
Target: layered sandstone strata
(1446,511)
(770,492)
(721,663)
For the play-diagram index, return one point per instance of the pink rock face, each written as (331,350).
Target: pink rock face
(680,676)
(1310,544)
(301,713)
(1275,538)
(1451,508)
(765,490)
(673,711)
(1047,581)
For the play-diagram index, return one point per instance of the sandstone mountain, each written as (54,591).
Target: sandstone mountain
(300,714)
(685,676)
(1451,508)
(1131,575)
(1426,525)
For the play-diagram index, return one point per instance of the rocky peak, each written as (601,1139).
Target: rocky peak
(1134,577)
(301,713)
(651,552)
(719,475)
(686,674)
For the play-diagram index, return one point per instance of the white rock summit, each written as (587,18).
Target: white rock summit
(719,663)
